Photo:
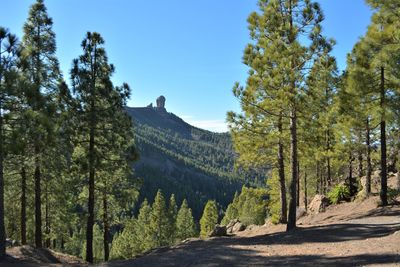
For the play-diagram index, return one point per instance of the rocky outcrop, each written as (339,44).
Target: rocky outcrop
(235,226)
(161,103)
(218,231)
(318,204)
(300,212)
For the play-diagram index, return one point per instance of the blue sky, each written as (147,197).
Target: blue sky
(189,51)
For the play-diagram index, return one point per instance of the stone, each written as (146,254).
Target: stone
(300,212)
(238,227)
(218,231)
(161,103)
(318,204)
(230,225)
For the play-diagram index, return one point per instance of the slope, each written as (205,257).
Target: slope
(184,160)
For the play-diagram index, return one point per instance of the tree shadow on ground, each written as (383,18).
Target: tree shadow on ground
(323,234)
(228,256)
(242,251)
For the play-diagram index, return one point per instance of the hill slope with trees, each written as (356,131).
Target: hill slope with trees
(183,160)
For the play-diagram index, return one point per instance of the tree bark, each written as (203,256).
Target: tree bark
(23,206)
(47,217)
(281,170)
(328,159)
(92,126)
(38,203)
(305,190)
(298,185)
(383,192)
(106,228)
(292,189)
(351,179)
(369,165)
(2,225)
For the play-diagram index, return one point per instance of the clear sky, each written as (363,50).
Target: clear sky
(189,51)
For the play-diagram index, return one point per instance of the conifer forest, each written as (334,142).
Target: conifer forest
(84,174)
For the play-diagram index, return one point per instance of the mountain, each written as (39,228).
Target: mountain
(181,159)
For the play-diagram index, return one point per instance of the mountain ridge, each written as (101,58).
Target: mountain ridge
(184,160)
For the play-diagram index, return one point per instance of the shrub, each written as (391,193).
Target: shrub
(392,194)
(339,193)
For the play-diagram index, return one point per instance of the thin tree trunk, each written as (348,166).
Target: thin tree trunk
(292,189)
(383,192)
(282,181)
(38,203)
(298,185)
(2,225)
(90,220)
(360,165)
(47,217)
(369,165)
(328,159)
(106,228)
(351,179)
(305,190)
(319,181)
(23,206)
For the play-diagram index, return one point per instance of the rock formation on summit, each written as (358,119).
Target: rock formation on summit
(161,103)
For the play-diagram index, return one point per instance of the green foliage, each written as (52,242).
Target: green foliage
(339,193)
(274,207)
(250,207)
(232,211)
(98,252)
(185,225)
(200,163)
(209,218)
(393,194)
(160,221)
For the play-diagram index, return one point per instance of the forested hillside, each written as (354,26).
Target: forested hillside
(84,174)
(184,160)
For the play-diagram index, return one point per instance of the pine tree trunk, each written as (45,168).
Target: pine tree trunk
(90,220)
(292,189)
(47,218)
(38,203)
(369,165)
(360,164)
(23,206)
(328,159)
(282,181)
(298,185)
(2,225)
(106,228)
(318,178)
(305,191)
(383,192)
(351,178)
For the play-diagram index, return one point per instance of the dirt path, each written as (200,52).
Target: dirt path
(351,234)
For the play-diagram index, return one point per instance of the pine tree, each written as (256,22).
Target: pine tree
(159,221)
(279,65)
(185,226)
(8,58)
(209,218)
(42,69)
(97,103)
(172,216)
